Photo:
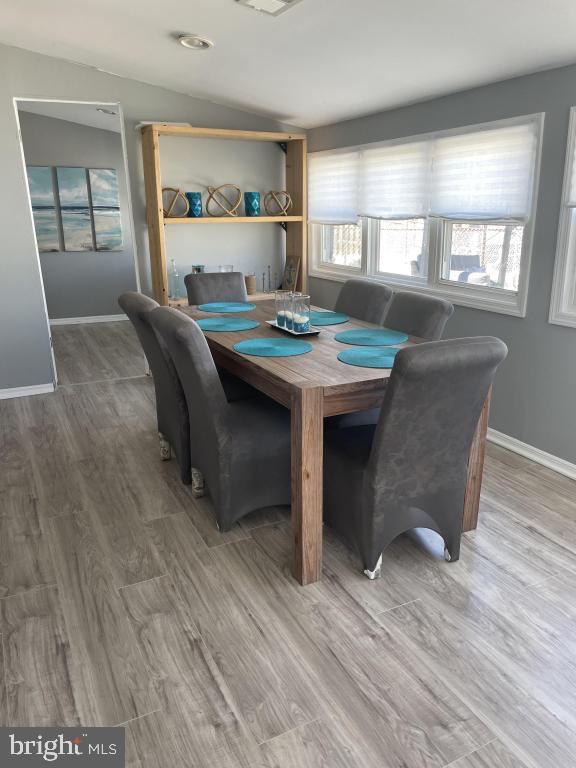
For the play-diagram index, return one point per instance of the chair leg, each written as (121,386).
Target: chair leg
(452,550)
(165,450)
(377,572)
(197,483)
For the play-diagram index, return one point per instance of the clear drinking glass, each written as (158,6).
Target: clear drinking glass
(289,325)
(225,268)
(282,305)
(300,313)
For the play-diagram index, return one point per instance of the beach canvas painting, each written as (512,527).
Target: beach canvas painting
(75,209)
(108,229)
(43,208)
(106,209)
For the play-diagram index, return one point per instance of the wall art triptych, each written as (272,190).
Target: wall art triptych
(75,209)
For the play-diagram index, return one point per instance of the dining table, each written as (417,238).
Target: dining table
(314,386)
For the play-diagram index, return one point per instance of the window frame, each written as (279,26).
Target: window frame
(320,241)
(563,311)
(491,299)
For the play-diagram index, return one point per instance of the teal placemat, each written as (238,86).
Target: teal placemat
(273,347)
(328,318)
(363,357)
(227,324)
(372,337)
(227,306)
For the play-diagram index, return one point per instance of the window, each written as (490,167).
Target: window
(563,300)
(342,246)
(401,248)
(450,212)
(484,254)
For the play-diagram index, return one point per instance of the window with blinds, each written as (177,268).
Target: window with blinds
(563,299)
(448,211)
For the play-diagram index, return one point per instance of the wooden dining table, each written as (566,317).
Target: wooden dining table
(313,386)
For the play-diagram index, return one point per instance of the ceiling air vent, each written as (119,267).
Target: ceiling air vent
(271,7)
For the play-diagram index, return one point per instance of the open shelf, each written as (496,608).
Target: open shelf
(230,219)
(293,146)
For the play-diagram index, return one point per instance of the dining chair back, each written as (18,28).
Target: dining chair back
(171,408)
(205,287)
(418,315)
(410,470)
(364,299)
(242,448)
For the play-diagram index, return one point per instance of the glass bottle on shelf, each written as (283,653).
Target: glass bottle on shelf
(173,281)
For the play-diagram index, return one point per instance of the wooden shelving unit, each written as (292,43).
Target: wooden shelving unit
(232,220)
(294,147)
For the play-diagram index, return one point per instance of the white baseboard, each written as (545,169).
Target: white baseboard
(559,465)
(93,319)
(36,389)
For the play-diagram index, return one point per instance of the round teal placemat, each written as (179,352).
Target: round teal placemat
(363,357)
(273,347)
(328,318)
(372,337)
(227,306)
(227,324)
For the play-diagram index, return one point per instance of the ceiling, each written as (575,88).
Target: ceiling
(319,62)
(84,114)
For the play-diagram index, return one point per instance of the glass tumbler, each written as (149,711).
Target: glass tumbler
(300,313)
(283,299)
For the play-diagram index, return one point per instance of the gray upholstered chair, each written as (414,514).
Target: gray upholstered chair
(241,448)
(171,408)
(364,299)
(418,315)
(409,471)
(205,287)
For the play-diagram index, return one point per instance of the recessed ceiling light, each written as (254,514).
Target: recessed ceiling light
(106,111)
(195,42)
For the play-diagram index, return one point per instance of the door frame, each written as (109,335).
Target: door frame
(117,105)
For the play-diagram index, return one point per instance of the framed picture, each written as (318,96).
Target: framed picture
(106,209)
(75,209)
(88,217)
(41,186)
(291,271)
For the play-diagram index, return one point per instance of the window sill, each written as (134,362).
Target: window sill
(474,298)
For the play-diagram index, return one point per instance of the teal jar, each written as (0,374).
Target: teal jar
(195,201)
(252,203)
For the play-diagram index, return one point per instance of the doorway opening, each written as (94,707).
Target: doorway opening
(75,165)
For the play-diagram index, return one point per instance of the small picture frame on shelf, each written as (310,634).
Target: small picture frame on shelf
(291,271)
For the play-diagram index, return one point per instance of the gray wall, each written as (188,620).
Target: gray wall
(83,283)
(535,393)
(24,334)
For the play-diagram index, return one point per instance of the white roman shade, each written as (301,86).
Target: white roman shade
(394,181)
(486,174)
(333,187)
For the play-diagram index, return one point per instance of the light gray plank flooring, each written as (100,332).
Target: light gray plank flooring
(95,351)
(120,603)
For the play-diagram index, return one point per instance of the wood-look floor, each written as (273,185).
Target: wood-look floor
(121,604)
